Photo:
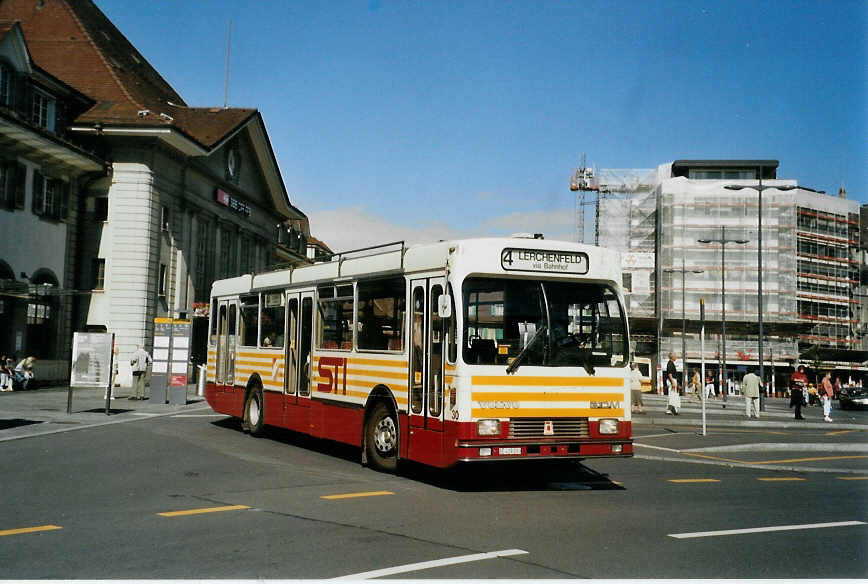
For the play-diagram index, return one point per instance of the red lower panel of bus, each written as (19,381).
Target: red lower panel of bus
(456,441)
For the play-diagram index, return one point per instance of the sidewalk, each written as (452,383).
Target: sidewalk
(775,442)
(777,415)
(25,414)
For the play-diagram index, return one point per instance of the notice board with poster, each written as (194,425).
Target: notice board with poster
(92,360)
(171,356)
(92,365)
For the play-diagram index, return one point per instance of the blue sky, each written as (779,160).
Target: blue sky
(429,120)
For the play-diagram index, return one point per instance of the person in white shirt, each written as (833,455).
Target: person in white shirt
(139,363)
(636,389)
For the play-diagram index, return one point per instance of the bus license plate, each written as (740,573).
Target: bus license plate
(511,450)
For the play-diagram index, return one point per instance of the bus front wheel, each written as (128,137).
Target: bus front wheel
(381,438)
(254,412)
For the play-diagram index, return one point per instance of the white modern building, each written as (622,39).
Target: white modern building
(688,235)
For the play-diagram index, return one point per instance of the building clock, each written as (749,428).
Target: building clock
(233,163)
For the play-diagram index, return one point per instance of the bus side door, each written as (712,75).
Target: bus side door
(426,370)
(227,323)
(297,378)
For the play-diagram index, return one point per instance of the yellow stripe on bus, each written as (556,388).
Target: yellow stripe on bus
(547,413)
(264,353)
(361,383)
(380,362)
(549,381)
(371,373)
(546,397)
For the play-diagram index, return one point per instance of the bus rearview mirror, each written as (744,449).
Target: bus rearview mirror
(444,306)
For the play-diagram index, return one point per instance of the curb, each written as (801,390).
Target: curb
(128,418)
(669,420)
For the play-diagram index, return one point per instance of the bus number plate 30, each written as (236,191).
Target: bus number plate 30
(509,450)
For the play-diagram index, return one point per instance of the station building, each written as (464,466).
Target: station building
(121,203)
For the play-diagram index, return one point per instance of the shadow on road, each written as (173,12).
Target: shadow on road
(518,475)
(512,476)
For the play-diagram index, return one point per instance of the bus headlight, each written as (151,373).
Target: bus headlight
(488,427)
(609,426)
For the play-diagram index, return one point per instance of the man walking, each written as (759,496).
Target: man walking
(139,363)
(750,388)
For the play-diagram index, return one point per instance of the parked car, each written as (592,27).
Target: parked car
(852,396)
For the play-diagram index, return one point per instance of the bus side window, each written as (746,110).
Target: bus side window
(435,375)
(452,330)
(212,335)
(417,339)
(304,346)
(381,312)
(249,320)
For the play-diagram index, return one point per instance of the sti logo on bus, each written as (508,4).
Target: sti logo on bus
(541,260)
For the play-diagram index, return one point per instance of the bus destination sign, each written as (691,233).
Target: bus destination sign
(543,260)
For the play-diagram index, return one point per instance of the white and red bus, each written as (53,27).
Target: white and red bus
(470,350)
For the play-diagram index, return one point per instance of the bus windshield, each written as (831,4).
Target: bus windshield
(542,323)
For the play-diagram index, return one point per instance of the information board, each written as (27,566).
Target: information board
(91,360)
(171,357)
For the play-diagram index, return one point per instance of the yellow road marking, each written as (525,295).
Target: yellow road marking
(839,432)
(853,478)
(694,481)
(354,495)
(779,479)
(29,529)
(203,510)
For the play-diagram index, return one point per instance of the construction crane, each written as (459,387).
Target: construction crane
(582,181)
(607,183)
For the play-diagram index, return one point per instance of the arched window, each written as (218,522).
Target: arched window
(42,315)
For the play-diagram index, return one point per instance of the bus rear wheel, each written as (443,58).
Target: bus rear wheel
(254,412)
(381,438)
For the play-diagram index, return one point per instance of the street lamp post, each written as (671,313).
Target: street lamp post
(723,241)
(759,264)
(683,273)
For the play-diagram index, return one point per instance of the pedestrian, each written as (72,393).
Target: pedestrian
(5,376)
(750,389)
(837,386)
(23,373)
(139,362)
(637,406)
(798,383)
(696,381)
(826,392)
(674,403)
(709,385)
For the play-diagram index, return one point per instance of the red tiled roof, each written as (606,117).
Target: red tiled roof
(74,41)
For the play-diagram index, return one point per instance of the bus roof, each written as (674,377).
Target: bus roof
(479,255)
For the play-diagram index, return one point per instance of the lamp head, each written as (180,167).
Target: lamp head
(733,187)
(742,241)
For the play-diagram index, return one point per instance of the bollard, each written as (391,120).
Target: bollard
(200,382)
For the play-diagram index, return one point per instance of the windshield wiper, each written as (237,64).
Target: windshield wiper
(516,363)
